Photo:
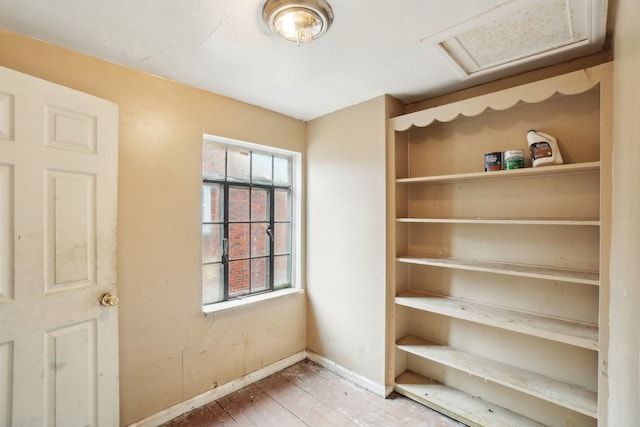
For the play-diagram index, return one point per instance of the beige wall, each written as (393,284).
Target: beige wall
(624,354)
(346,227)
(169,351)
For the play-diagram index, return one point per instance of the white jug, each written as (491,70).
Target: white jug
(544,149)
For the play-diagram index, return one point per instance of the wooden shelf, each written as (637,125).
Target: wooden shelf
(575,168)
(502,221)
(568,332)
(472,411)
(511,269)
(570,396)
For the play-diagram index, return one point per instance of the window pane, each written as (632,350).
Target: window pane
(259,274)
(281,237)
(238,241)
(259,204)
(281,171)
(238,204)
(238,277)
(261,168)
(212,203)
(281,271)
(282,203)
(213,158)
(244,193)
(212,283)
(238,165)
(259,240)
(211,243)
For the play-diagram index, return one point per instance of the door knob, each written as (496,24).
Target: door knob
(108,300)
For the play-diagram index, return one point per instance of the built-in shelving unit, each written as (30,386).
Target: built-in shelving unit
(501,278)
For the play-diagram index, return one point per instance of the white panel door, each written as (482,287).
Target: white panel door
(58,188)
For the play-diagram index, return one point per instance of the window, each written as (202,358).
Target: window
(247,226)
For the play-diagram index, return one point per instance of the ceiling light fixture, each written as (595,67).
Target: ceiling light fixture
(300,21)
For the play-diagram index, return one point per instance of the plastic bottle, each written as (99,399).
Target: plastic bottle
(543,148)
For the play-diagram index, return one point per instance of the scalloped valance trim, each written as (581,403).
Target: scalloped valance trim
(567,84)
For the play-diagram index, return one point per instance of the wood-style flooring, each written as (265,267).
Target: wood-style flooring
(306,394)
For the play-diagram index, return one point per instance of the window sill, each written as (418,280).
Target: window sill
(211,309)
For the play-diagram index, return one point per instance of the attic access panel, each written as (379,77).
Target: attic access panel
(520,31)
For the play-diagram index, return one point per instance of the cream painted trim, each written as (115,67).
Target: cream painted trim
(218,392)
(567,84)
(380,390)
(297,250)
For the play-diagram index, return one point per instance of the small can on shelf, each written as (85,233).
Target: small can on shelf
(513,159)
(493,161)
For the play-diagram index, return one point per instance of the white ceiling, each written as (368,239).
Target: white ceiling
(374,47)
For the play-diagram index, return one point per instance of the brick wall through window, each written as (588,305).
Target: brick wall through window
(255,227)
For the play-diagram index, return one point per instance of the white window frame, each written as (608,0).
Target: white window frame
(296,228)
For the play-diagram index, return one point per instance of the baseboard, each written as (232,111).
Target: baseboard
(348,374)
(218,392)
(212,395)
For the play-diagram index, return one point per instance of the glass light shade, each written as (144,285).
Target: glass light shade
(298,21)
